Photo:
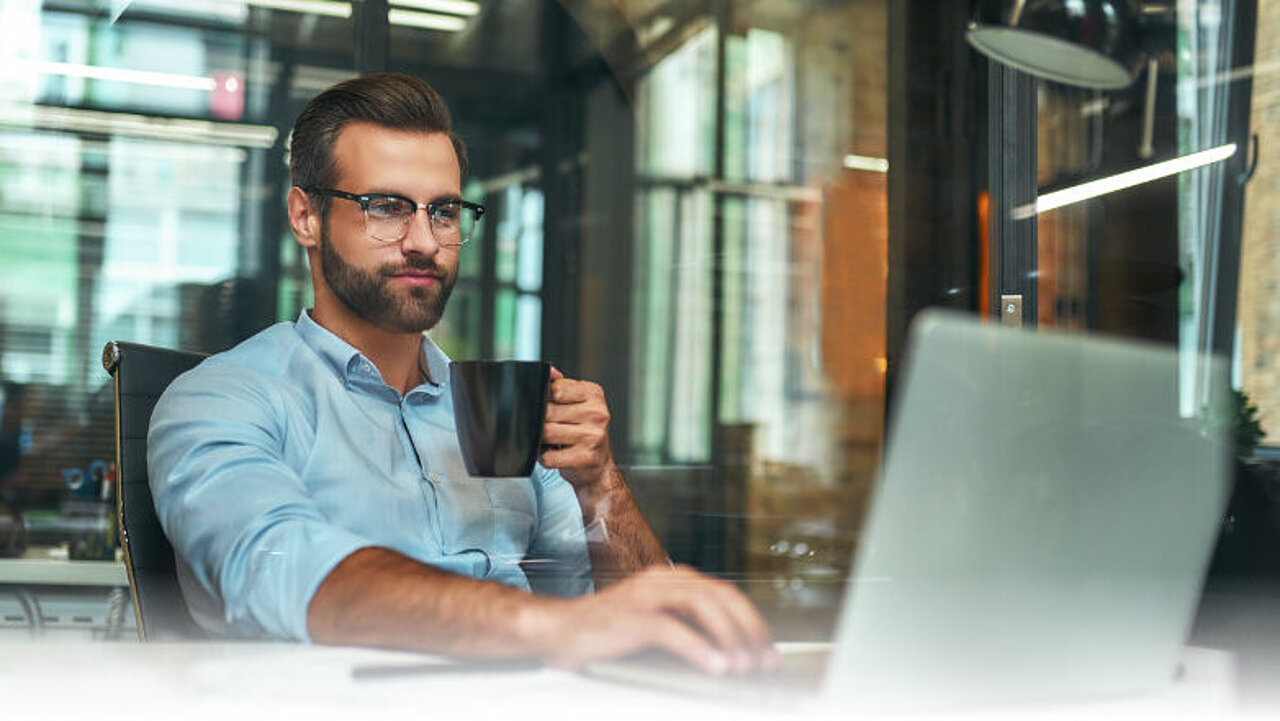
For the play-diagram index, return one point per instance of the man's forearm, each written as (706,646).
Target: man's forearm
(619,538)
(378,597)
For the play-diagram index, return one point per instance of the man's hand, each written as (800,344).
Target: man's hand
(707,622)
(577,431)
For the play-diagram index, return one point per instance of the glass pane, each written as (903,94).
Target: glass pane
(528,326)
(141,199)
(676,101)
(688,430)
(504,324)
(458,332)
(471,256)
(760,294)
(508,237)
(655,312)
(529,272)
(1135,188)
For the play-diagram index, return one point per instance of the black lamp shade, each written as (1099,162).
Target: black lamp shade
(1085,43)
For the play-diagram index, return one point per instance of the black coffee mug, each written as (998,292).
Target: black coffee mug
(499,407)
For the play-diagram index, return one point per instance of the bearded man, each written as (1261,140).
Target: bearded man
(310,478)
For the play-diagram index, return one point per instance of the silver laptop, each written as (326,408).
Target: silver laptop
(1040,531)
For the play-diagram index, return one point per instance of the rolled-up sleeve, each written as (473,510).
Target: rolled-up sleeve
(235,509)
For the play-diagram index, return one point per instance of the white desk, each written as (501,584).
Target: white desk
(137,682)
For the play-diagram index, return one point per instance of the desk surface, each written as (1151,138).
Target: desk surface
(136,681)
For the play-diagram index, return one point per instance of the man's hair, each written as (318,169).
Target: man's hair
(392,100)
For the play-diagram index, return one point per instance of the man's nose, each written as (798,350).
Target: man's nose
(420,238)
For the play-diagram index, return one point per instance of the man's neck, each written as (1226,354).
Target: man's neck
(398,356)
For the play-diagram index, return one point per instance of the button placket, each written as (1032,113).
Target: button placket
(429,480)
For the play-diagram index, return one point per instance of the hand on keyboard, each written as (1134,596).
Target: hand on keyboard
(706,622)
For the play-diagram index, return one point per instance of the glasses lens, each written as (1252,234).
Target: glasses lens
(452,223)
(388,218)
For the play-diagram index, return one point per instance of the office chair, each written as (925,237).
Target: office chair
(141,374)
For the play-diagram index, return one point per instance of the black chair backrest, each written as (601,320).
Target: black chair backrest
(141,374)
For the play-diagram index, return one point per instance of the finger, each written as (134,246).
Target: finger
(730,617)
(556,374)
(567,458)
(703,612)
(564,434)
(568,390)
(753,631)
(585,412)
(676,637)
(704,607)
(595,435)
(752,628)
(654,630)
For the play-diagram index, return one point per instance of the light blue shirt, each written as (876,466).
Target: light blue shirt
(273,461)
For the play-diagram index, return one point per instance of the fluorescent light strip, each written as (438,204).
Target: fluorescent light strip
(307,7)
(866,162)
(102,122)
(123,75)
(1120,181)
(20,145)
(396,16)
(429,21)
(465,8)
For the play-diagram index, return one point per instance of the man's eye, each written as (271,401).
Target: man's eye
(390,208)
(445,213)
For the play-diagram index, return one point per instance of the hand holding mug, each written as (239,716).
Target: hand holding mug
(576,430)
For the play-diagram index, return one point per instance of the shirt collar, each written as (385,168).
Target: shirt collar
(437,364)
(345,360)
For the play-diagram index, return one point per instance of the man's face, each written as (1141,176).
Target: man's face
(399,287)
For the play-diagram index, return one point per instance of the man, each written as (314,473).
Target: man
(310,478)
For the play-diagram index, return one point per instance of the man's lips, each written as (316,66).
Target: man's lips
(416,277)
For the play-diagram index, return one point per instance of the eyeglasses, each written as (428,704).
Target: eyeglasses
(387,216)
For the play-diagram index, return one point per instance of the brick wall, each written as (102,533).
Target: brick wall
(1259,309)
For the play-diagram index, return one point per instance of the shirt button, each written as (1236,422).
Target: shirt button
(435,477)
(367,367)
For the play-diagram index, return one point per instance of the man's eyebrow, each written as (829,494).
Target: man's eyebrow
(448,197)
(387,191)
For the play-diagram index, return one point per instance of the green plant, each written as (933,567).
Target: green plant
(1247,428)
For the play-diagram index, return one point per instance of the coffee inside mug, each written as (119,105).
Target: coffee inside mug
(499,408)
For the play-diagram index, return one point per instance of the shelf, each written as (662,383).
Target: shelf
(57,572)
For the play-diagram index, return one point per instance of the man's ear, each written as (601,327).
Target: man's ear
(303,218)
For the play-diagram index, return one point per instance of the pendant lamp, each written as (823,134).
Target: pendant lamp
(1085,43)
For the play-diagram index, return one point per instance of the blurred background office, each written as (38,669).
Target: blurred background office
(725,211)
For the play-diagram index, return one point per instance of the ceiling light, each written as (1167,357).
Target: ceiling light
(866,162)
(430,21)
(1085,43)
(1120,181)
(100,122)
(123,75)
(328,8)
(452,7)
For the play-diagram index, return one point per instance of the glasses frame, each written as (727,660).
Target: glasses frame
(364,199)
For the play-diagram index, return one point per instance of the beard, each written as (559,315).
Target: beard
(368,294)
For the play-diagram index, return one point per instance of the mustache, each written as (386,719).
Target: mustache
(417,265)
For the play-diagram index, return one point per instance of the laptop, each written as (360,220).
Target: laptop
(1040,530)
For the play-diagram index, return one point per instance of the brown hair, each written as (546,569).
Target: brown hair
(393,100)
